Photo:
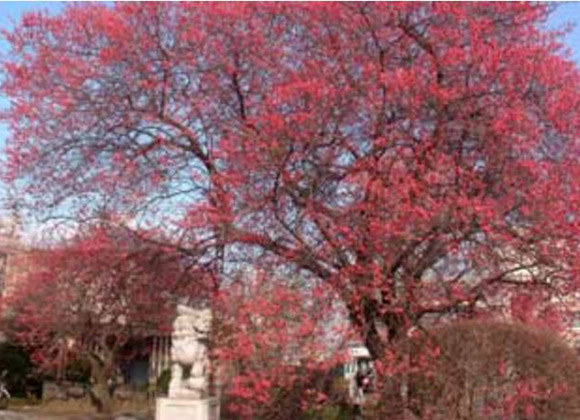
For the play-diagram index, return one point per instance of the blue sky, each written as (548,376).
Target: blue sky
(568,12)
(11,12)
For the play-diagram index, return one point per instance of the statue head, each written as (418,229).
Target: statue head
(192,322)
(202,322)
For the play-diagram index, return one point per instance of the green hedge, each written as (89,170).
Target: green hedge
(21,381)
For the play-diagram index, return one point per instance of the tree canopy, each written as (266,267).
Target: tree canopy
(415,159)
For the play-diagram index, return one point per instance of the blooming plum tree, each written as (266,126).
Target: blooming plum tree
(417,160)
(90,298)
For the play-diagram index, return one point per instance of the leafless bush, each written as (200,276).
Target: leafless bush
(482,370)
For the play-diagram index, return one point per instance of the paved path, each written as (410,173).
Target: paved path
(7,415)
(11,415)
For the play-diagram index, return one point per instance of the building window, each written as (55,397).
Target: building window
(576,320)
(3,258)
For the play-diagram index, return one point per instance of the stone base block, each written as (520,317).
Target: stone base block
(182,409)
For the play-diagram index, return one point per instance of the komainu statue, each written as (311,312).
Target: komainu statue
(189,353)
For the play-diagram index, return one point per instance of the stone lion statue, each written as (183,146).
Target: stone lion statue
(189,353)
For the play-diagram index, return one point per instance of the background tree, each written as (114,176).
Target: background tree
(418,160)
(86,300)
(278,351)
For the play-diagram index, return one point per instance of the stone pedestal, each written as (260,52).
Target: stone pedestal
(183,409)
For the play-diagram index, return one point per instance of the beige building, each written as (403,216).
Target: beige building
(14,264)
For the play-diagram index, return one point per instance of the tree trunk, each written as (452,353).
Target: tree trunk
(102,376)
(101,397)
(397,388)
